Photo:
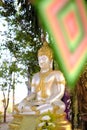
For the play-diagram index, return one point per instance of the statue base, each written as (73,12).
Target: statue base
(24,122)
(30,122)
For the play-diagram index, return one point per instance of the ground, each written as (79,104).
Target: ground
(4,126)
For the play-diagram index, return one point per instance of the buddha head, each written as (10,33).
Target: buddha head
(45,56)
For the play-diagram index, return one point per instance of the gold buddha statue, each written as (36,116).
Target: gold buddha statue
(47,87)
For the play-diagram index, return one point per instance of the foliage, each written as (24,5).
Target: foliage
(47,121)
(24,35)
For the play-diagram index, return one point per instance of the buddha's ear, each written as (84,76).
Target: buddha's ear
(51,64)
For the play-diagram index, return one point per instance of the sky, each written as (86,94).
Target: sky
(3,28)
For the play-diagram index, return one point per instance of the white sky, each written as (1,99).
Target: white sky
(2,28)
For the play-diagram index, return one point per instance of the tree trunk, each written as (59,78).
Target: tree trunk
(4,118)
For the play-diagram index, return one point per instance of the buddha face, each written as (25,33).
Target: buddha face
(44,62)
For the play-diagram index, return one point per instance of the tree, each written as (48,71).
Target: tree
(23,38)
(6,84)
(7,68)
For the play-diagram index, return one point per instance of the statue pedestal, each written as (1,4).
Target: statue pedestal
(30,122)
(24,122)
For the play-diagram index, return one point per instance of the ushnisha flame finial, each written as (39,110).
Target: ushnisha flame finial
(45,50)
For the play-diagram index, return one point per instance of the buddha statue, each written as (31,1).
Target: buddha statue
(47,87)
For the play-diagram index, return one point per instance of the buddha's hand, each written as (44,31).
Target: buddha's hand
(51,99)
(38,102)
(43,101)
(48,101)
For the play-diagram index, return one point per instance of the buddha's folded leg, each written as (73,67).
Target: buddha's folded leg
(44,108)
(24,106)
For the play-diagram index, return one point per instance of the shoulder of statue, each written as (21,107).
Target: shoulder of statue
(35,77)
(57,72)
(59,75)
(36,74)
